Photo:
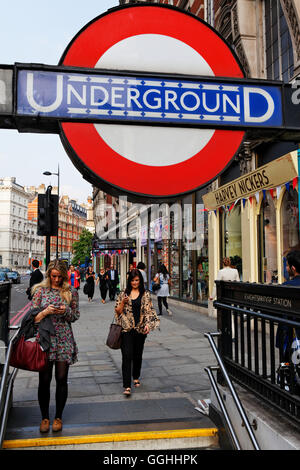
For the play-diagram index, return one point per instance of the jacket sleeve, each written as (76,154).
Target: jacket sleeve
(37,298)
(151,318)
(118,301)
(72,312)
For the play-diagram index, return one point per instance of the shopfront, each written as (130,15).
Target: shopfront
(254,220)
(178,238)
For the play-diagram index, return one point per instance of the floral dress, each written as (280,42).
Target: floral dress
(63,346)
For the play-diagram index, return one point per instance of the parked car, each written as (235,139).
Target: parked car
(3,277)
(14,276)
(5,270)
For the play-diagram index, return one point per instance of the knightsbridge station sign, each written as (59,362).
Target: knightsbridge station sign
(149,102)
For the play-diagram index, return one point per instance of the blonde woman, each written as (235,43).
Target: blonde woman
(58,301)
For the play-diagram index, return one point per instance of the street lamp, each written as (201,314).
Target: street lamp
(48,173)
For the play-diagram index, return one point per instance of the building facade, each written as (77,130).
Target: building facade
(258,226)
(19,242)
(72,219)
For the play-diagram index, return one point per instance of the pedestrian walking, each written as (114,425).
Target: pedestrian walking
(113,281)
(135,313)
(35,277)
(102,280)
(227,273)
(141,266)
(131,267)
(74,277)
(58,301)
(90,281)
(163,279)
(284,334)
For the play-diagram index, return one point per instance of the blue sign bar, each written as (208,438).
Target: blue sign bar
(69,96)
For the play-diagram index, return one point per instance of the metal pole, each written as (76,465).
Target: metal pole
(48,237)
(57,212)
(236,400)
(299,186)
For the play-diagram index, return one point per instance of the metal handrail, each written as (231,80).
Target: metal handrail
(235,397)
(214,384)
(3,423)
(6,384)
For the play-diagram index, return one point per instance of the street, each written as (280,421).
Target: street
(18,299)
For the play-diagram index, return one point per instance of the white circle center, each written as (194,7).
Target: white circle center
(153,145)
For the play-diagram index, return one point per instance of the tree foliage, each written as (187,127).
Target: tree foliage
(82,248)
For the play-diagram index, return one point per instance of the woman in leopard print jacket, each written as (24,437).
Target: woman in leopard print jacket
(134,311)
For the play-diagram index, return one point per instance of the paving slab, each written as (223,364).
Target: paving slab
(173,378)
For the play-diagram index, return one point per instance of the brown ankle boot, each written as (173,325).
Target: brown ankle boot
(57,425)
(44,426)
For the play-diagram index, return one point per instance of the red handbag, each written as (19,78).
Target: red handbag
(28,355)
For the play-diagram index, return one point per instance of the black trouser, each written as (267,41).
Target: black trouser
(132,347)
(160,300)
(45,377)
(103,291)
(112,290)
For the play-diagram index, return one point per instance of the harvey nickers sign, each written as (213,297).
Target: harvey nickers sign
(147,90)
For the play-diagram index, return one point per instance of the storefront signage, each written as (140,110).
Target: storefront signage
(116,244)
(269,176)
(109,98)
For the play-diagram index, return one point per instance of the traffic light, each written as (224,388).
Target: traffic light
(47,213)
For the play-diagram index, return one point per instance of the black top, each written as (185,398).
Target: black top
(136,308)
(90,278)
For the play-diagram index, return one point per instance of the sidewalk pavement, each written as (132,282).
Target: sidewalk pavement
(172,380)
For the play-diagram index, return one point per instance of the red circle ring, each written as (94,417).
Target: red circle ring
(99,162)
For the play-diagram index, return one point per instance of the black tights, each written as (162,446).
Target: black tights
(165,302)
(61,377)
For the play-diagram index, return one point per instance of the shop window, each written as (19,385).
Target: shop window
(289,227)
(267,260)
(202,253)
(174,258)
(187,253)
(231,237)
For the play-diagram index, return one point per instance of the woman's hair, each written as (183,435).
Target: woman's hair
(135,273)
(60,266)
(163,270)
(226,261)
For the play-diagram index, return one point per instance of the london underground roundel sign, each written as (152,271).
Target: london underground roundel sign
(152,161)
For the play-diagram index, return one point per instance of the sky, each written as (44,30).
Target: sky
(39,31)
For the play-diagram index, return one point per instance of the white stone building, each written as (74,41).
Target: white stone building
(18,237)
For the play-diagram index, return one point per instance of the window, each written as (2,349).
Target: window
(187,252)
(279,48)
(231,236)
(289,226)
(267,238)
(202,252)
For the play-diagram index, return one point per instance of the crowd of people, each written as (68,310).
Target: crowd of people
(55,307)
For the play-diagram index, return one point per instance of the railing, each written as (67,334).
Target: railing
(248,319)
(6,386)
(237,402)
